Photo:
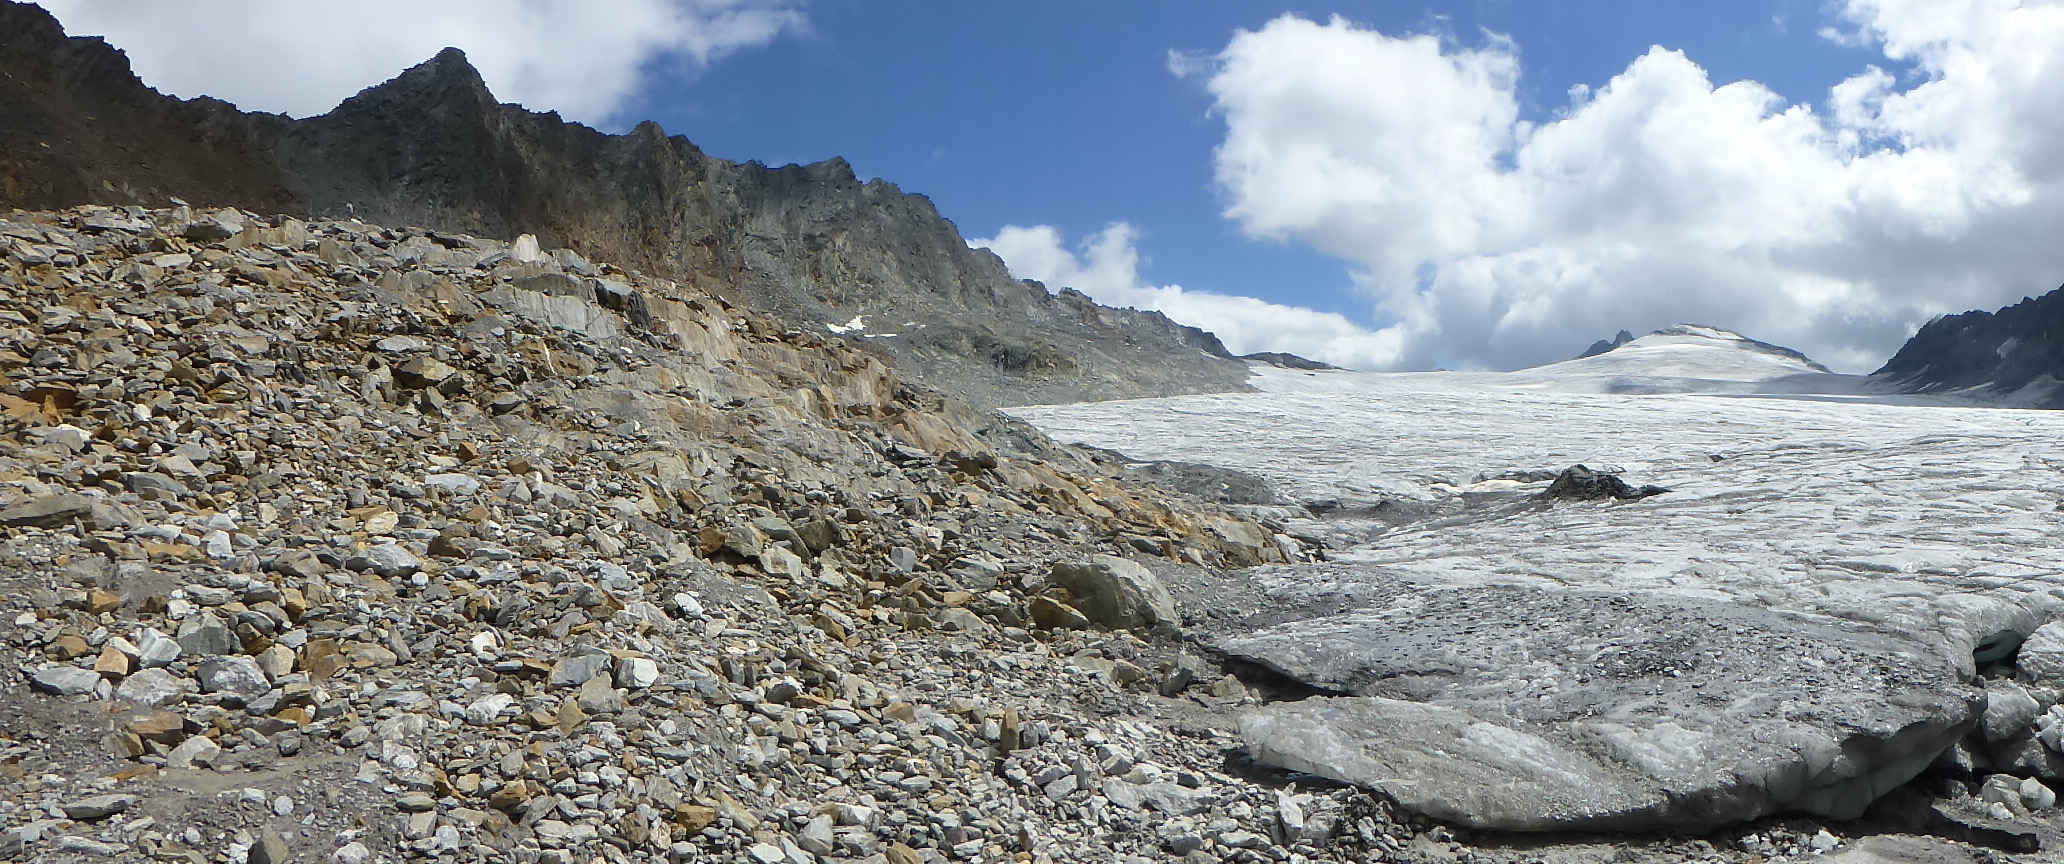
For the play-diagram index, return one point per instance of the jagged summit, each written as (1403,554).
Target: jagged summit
(2015,353)
(811,245)
(448,80)
(1603,345)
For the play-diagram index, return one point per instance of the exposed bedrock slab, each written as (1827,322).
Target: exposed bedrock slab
(1529,709)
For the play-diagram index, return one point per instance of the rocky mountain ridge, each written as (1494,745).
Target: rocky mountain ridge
(812,245)
(2014,355)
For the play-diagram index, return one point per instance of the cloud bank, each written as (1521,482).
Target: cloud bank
(1657,197)
(585,60)
(1105,266)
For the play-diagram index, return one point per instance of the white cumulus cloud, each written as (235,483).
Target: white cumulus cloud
(1835,226)
(582,58)
(1105,266)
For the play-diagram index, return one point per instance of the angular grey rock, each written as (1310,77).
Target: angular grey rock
(302,563)
(198,750)
(148,482)
(234,676)
(958,620)
(462,485)
(2009,710)
(636,673)
(98,807)
(578,314)
(388,560)
(1531,709)
(422,373)
(575,671)
(1117,593)
(1169,799)
(269,848)
(816,837)
(401,344)
(1185,671)
(48,511)
(2041,655)
(220,225)
(2025,755)
(599,696)
(155,649)
(66,680)
(154,688)
(485,710)
(208,640)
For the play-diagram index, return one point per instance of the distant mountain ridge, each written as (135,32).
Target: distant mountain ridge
(811,245)
(2016,354)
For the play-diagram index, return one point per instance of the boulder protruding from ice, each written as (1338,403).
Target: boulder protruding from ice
(1580,483)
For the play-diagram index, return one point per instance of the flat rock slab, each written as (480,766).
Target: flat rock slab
(1521,708)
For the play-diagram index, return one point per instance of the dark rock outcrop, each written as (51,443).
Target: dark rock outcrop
(1287,361)
(1603,345)
(1579,483)
(2016,351)
(812,245)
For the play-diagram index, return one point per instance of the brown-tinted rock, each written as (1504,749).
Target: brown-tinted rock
(1051,614)
(694,817)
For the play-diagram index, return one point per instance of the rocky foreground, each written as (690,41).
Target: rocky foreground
(334,542)
(327,541)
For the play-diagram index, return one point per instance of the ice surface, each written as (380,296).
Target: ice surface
(1831,522)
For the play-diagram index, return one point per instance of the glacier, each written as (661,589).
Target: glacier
(1790,629)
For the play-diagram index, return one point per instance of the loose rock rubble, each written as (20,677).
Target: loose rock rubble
(333,542)
(329,541)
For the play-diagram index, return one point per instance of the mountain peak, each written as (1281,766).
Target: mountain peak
(449,64)
(445,81)
(1701,335)
(2006,352)
(1683,353)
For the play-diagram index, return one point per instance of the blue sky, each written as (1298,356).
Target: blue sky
(1485,184)
(1066,114)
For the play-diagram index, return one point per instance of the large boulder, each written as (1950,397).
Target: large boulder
(2041,655)
(1580,483)
(233,676)
(1118,594)
(2009,710)
(1532,709)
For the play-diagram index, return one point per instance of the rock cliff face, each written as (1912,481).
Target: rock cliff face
(812,245)
(2014,353)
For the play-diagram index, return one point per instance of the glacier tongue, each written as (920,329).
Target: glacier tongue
(1789,629)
